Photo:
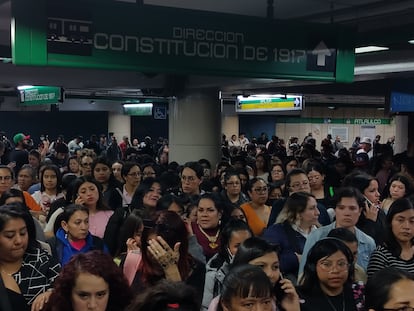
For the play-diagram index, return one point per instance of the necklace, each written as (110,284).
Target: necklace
(212,239)
(332,305)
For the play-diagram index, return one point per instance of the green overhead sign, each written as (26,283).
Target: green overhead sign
(40,95)
(128,36)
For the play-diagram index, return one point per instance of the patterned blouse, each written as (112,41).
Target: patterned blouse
(37,274)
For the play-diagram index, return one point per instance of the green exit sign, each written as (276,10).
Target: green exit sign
(152,39)
(40,95)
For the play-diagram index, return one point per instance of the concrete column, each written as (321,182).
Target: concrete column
(401,133)
(120,125)
(195,126)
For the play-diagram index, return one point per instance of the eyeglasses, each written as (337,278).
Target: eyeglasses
(405,308)
(85,164)
(328,266)
(136,174)
(5,178)
(260,189)
(188,178)
(298,184)
(234,183)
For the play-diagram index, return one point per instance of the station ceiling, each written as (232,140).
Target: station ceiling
(388,23)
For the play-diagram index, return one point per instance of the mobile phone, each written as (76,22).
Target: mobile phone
(279,292)
(370,203)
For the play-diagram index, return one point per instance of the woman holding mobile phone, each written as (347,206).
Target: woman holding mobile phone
(247,287)
(257,252)
(372,218)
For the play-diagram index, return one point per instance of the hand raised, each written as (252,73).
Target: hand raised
(163,253)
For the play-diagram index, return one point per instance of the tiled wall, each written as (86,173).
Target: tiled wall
(319,130)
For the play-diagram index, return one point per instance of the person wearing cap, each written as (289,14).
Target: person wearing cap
(19,155)
(365,146)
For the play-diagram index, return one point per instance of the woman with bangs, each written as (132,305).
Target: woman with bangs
(257,252)
(165,255)
(245,288)
(50,189)
(326,283)
(27,272)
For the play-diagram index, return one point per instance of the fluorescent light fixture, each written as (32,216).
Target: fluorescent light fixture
(6,59)
(143,105)
(267,95)
(24,87)
(411,41)
(384,68)
(370,48)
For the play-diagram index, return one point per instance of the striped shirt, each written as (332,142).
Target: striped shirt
(382,257)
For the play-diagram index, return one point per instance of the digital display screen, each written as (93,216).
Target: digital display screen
(269,103)
(401,102)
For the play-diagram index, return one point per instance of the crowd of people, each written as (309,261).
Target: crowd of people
(269,227)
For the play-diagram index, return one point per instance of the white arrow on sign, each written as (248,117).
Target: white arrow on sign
(322,52)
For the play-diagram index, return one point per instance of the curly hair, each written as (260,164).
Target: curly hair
(96,263)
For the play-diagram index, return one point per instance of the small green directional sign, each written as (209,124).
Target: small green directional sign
(40,95)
